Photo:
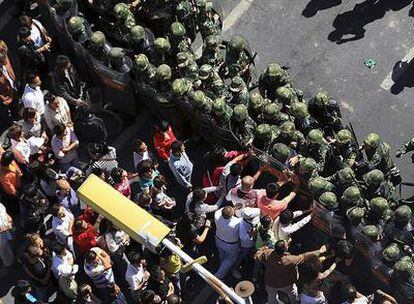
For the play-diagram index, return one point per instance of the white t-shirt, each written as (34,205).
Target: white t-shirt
(35,34)
(61,226)
(135,276)
(227,230)
(63,266)
(34,98)
(306,299)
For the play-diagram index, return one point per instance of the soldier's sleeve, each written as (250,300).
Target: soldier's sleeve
(408,147)
(323,152)
(376,159)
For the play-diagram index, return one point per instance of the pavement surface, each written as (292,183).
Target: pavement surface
(325,43)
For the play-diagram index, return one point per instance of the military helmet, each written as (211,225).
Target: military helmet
(281,152)
(162,45)
(378,205)
(256,100)
(372,140)
(240,113)
(315,136)
(141,62)
(263,131)
(183,59)
(205,71)
(355,215)
(192,71)
(76,24)
(237,44)
(274,70)
(177,29)
(391,253)
(137,33)
(329,200)
(321,98)
(219,106)
(237,84)
(163,72)
(352,194)
(307,165)
(284,95)
(287,128)
(404,269)
(116,53)
(183,9)
(213,41)
(403,214)
(319,185)
(299,110)
(374,178)
(121,10)
(346,176)
(180,86)
(270,111)
(200,99)
(344,136)
(98,39)
(371,231)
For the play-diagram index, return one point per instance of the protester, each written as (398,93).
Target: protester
(180,165)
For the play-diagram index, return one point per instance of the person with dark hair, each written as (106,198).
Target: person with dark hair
(160,283)
(173,299)
(137,275)
(146,174)
(161,199)
(38,34)
(22,293)
(64,269)
(64,144)
(85,295)
(32,58)
(57,112)
(33,96)
(10,177)
(353,296)
(62,223)
(121,182)
(102,157)
(33,208)
(31,125)
(284,225)
(8,90)
(140,152)
(149,297)
(22,148)
(163,139)
(6,225)
(85,235)
(181,165)
(230,176)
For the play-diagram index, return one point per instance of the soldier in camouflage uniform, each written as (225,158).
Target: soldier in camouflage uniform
(99,48)
(303,121)
(163,76)
(282,153)
(142,41)
(272,114)
(119,61)
(202,106)
(374,235)
(290,136)
(351,197)
(222,113)
(179,40)
(327,112)
(286,97)
(401,228)
(182,90)
(316,147)
(306,168)
(188,68)
(344,150)
(263,137)
(162,52)
(239,92)
(211,83)
(212,52)
(379,157)
(242,125)
(256,106)
(343,179)
(79,29)
(319,185)
(187,14)
(329,200)
(144,70)
(377,211)
(408,147)
(376,185)
(402,280)
(355,216)
(209,22)
(125,21)
(237,60)
(391,255)
(273,78)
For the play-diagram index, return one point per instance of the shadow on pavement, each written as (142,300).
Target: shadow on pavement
(403,76)
(349,26)
(318,5)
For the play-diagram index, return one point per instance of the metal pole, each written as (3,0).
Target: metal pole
(204,273)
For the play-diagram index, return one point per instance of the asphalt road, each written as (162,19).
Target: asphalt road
(303,35)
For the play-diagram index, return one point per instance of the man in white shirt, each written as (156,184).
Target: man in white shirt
(62,223)
(33,96)
(283,225)
(140,152)
(181,165)
(64,270)
(227,239)
(136,275)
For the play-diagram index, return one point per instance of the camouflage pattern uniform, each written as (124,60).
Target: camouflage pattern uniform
(99,48)
(222,113)
(242,125)
(273,78)
(187,14)
(208,21)
(316,147)
(212,53)
(162,52)
(144,70)
(163,76)
(401,228)
(142,41)
(79,29)
(290,136)
(303,121)
(179,40)
(239,92)
(118,61)
(408,147)
(211,83)
(256,106)
(344,151)
(237,59)
(125,21)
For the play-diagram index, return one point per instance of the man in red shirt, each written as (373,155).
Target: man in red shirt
(163,138)
(85,235)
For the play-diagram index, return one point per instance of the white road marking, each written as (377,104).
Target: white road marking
(232,18)
(388,82)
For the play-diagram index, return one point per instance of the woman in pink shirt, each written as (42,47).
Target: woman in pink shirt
(121,181)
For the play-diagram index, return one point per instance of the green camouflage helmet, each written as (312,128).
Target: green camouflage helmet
(287,128)
(299,110)
(372,140)
(346,176)
(355,215)
(183,9)
(274,71)
(378,205)
(319,185)
(205,71)
(329,200)
(404,269)
(183,59)
(388,215)
(162,45)
(121,11)
(178,30)
(263,131)
(141,62)
(352,194)
(219,106)
(281,152)
(284,95)
(213,41)
(237,44)
(137,33)
(76,24)
(116,53)
(392,253)
(271,111)
(344,136)
(374,178)
(321,98)
(240,113)
(371,232)
(237,84)
(307,165)
(204,5)
(315,136)
(98,39)
(180,86)
(163,72)
(256,100)
(403,214)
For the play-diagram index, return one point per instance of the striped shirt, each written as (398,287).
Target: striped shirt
(106,163)
(101,277)
(182,168)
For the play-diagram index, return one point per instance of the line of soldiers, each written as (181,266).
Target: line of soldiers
(308,138)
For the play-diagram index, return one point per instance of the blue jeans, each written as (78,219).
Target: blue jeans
(228,255)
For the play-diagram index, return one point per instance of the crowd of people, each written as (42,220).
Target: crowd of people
(244,215)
